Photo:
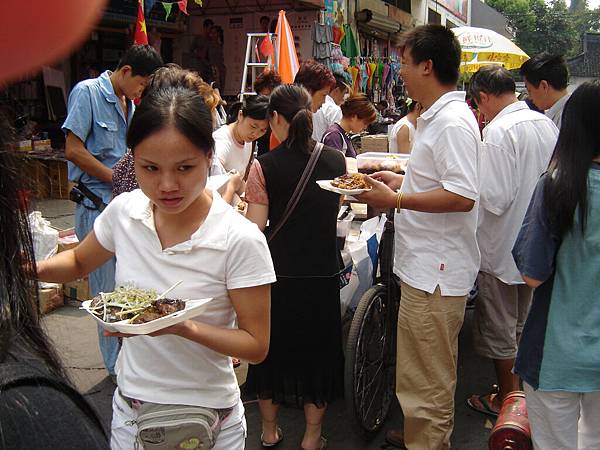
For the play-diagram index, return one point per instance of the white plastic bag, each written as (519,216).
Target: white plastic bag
(45,238)
(357,275)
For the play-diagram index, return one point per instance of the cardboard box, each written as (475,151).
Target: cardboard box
(67,239)
(374,143)
(51,298)
(77,290)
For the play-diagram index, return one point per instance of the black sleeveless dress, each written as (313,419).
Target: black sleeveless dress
(305,360)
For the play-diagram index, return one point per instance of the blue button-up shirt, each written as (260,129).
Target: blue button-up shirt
(95,116)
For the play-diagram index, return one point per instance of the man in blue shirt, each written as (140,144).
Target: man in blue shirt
(99,112)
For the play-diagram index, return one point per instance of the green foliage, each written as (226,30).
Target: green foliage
(551,27)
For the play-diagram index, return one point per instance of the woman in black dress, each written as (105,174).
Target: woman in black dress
(305,361)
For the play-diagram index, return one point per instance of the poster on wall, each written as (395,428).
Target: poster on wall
(459,8)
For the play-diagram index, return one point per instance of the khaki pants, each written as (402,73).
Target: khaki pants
(428,328)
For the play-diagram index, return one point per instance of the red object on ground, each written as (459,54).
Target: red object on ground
(512,431)
(140,36)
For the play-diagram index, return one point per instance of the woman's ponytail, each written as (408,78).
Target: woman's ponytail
(300,132)
(293,103)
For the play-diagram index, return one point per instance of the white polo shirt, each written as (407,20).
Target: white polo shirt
(441,248)
(327,114)
(517,146)
(226,252)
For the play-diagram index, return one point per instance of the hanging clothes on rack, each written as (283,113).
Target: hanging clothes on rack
(322,37)
(348,43)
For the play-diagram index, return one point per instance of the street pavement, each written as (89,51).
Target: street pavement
(75,337)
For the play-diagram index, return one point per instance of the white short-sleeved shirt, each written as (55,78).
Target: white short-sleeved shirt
(328,114)
(226,252)
(517,146)
(441,249)
(230,153)
(393,135)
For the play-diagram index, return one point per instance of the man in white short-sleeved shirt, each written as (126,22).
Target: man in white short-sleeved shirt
(436,256)
(517,147)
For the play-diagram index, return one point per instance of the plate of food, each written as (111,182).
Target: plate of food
(140,311)
(348,184)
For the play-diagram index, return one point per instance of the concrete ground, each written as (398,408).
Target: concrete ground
(75,336)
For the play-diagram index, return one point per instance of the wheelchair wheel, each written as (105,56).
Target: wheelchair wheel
(369,371)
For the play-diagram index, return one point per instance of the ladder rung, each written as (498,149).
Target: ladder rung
(257,64)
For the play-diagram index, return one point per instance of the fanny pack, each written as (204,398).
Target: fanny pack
(182,427)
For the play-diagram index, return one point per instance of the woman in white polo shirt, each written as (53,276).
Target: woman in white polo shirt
(173,229)
(233,142)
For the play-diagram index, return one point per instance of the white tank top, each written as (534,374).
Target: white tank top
(392,138)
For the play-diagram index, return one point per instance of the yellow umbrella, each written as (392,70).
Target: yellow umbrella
(474,65)
(487,47)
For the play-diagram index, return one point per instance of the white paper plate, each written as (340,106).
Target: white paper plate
(192,309)
(326,184)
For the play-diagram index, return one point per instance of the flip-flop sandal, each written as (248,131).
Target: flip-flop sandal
(272,444)
(323,445)
(482,404)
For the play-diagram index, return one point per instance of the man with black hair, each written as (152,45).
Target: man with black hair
(517,146)
(330,112)
(99,112)
(546,78)
(436,254)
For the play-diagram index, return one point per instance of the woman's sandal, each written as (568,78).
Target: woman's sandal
(272,444)
(323,444)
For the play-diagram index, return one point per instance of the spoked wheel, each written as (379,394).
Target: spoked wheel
(370,362)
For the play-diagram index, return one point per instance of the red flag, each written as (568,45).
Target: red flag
(266,46)
(140,36)
(183,6)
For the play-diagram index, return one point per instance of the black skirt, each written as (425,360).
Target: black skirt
(305,361)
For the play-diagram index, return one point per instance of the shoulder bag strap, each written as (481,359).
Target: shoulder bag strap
(250,160)
(295,198)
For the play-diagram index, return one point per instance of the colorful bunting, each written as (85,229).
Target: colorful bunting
(183,6)
(148,5)
(167,7)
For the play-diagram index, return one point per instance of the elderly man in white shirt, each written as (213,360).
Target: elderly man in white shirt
(330,112)
(436,255)
(517,147)
(546,78)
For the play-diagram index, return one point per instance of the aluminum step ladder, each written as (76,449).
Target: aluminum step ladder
(251,63)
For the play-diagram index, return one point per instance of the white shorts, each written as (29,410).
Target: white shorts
(231,437)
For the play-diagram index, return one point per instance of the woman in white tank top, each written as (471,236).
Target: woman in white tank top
(402,133)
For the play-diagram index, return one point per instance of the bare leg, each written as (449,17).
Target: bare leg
(268,412)
(507,381)
(314,419)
